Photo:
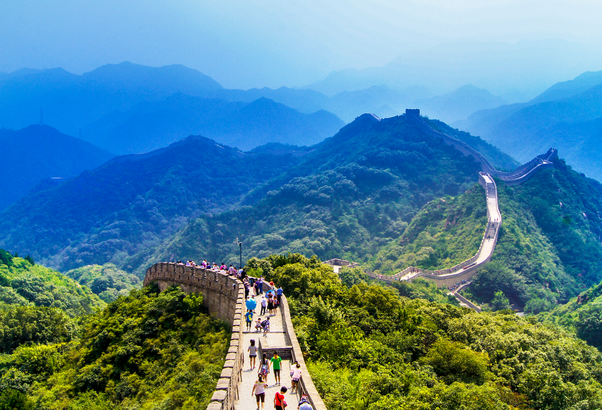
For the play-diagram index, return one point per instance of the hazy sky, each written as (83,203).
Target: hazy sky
(255,43)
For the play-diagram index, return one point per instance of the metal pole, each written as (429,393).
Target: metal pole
(239,243)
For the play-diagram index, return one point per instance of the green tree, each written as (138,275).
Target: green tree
(500,301)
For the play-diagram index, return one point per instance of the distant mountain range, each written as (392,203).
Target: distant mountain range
(567,116)
(504,69)
(38,153)
(459,104)
(129,108)
(134,201)
(152,125)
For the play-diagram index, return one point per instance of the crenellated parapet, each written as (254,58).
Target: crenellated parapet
(221,291)
(516,177)
(224,296)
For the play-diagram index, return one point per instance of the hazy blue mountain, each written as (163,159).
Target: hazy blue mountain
(565,116)
(70,101)
(379,100)
(458,104)
(40,152)
(346,105)
(495,66)
(306,101)
(153,125)
(570,88)
(131,202)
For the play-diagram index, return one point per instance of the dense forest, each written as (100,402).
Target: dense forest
(125,211)
(368,347)
(582,315)
(147,350)
(106,281)
(25,283)
(349,197)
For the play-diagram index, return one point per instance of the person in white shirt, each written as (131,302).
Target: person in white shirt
(259,391)
(295,376)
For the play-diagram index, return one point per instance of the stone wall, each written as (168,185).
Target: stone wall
(462,271)
(306,384)
(224,296)
(516,177)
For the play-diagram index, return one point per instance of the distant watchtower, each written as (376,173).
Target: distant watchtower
(413,112)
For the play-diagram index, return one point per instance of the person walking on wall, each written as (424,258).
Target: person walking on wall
(279,402)
(259,283)
(252,354)
(249,319)
(295,376)
(259,391)
(264,367)
(264,305)
(279,293)
(276,363)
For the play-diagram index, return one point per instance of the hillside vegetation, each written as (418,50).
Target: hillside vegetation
(368,348)
(106,281)
(24,283)
(147,350)
(582,315)
(134,202)
(445,232)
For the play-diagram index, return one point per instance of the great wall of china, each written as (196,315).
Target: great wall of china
(465,270)
(224,295)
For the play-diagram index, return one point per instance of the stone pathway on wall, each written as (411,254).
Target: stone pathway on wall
(276,338)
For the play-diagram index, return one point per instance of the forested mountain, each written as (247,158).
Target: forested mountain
(567,116)
(548,249)
(153,125)
(582,315)
(350,196)
(133,202)
(40,152)
(106,281)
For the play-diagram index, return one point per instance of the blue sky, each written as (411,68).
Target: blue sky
(257,43)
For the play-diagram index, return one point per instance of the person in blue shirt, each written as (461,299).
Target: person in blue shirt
(249,319)
(279,293)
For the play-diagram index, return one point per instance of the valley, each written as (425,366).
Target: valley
(401,196)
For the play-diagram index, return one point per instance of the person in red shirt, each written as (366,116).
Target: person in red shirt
(279,402)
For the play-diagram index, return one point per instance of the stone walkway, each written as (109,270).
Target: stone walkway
(275,338)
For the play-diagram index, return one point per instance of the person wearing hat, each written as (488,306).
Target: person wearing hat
(304,403)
